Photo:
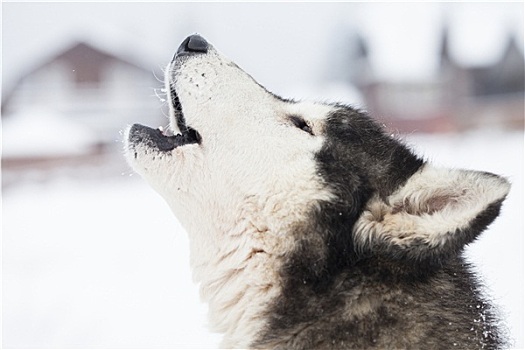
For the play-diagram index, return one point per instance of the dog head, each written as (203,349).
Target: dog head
(238,163)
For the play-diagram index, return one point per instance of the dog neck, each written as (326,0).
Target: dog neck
(239,278)
(237,259)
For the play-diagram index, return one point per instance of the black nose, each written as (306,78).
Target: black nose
(193,44)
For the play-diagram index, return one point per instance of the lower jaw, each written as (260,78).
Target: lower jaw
(156,138)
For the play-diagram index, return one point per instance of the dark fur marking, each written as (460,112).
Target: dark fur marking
(422,257)
(334,297)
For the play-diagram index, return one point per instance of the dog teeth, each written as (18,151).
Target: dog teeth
(166,131)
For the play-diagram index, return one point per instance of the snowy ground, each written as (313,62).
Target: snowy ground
(104,264)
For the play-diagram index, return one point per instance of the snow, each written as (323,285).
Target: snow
(97,265)
(39,133)
(104,264)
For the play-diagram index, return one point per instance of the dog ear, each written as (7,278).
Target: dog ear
(432,216)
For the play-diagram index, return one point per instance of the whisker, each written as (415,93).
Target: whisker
(162,96)
(160,80)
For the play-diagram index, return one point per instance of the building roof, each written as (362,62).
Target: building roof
(86,59)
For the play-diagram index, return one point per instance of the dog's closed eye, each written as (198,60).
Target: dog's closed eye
(301,124)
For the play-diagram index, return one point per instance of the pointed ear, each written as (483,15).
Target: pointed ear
(432,216)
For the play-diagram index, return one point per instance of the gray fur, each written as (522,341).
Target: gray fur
(363,251)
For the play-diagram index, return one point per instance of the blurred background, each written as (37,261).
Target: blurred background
(91,256)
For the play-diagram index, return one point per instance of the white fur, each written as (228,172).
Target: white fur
(236,198)
(253,177)
(430,207)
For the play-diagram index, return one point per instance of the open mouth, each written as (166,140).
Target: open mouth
(160,139)
(165,140)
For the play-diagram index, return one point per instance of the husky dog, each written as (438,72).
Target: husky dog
(310,227)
